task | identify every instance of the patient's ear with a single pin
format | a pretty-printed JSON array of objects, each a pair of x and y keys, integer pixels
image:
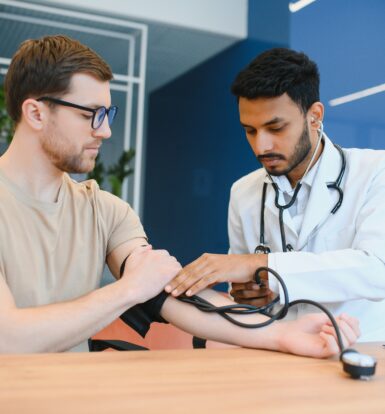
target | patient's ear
[{"x": 34, "y": 113}]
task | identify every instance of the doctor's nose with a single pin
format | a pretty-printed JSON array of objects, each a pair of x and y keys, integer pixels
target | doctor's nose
[{"x": 262, "y": 143}]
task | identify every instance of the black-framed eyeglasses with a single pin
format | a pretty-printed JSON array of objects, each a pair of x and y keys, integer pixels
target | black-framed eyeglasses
[{"x": 98, "y": 113}]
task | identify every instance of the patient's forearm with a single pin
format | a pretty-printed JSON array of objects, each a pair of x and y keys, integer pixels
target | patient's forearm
[
  {"x": 214, "y": 327},
  {"x": 310, "y": 335}
]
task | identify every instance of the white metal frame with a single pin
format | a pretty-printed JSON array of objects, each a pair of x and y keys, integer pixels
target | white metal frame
[{"x": 121, "y": 82}]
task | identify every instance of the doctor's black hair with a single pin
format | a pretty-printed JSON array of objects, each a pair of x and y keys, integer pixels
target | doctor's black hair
[{"x": 278, "y": 71}]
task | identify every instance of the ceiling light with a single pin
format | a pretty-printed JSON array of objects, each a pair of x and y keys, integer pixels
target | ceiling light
[
  {"x": 357, "y": 95},
  {"x": 298, "y": 5}
]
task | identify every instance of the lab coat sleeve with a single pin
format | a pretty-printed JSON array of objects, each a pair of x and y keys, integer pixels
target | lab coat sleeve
[
  {"x": 236, "y": 236},
  {"x": 347, "y": 274}
]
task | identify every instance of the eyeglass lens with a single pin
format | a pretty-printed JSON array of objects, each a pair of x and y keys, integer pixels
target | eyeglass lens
[
  {"x": 111, "y": 114},
  {"x": 101, "y": 113}
]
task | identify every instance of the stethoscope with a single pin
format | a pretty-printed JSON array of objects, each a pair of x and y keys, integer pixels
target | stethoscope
[{"x": 263, "y": 248}]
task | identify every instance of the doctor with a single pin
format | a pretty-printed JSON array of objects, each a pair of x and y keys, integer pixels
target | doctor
[{"x": 314, "y": 213}]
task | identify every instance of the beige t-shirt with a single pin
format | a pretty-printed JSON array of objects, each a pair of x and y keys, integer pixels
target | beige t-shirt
[{"x": 53, "y": 252}]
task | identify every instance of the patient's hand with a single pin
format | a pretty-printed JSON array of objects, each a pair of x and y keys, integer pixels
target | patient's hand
[{"x": 313, "y": 335}]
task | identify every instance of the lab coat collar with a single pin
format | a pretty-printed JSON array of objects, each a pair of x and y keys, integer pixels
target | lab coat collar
[{"x": 321, "y": 198}]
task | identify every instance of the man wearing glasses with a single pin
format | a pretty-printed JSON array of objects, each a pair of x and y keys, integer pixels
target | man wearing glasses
[{"x": 56, "y": 234}]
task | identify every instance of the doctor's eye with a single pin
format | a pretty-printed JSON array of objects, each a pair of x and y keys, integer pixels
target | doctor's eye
[
  {"x": 249, "y": 131},
  {"x": 278, "y": 129}
]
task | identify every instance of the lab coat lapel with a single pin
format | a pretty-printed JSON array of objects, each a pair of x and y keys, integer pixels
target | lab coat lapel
[{"x": 321, "y": 199}]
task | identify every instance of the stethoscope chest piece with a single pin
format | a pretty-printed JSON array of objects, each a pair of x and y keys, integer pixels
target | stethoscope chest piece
[
  {"x": 262, "y": 249},
  {"x": 358, "y": 366}
]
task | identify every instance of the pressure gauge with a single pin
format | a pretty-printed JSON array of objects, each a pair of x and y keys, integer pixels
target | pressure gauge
[{"x": 358, "y": 366}]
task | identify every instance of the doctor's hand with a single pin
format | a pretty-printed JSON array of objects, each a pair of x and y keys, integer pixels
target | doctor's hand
[
  {"x": 210, "y": 269},
  {"x": 251, "y": 293}
]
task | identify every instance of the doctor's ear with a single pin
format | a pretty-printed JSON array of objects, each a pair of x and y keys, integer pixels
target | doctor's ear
[
  {"x": 315, "y": 115},
  {"x": 34, "y": 113}
]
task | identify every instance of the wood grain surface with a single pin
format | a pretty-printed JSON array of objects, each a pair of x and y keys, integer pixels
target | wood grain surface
[{"x": 187, "y": 381}]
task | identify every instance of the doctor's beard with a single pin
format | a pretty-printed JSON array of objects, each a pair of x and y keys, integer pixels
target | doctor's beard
[{"x": 301, "y": 152}]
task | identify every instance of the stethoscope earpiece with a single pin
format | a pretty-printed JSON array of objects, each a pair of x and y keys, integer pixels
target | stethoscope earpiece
[{"x": 320, "y": 124}]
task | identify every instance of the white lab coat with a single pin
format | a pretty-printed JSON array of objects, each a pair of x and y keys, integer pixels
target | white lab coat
[{"x": 339, "y": 260}]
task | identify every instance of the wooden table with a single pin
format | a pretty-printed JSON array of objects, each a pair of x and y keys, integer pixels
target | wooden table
[{"x": 186, "y": 381}]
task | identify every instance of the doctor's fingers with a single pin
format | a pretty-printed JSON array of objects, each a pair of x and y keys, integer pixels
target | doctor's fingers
[
  {"x": 248, "y": 290},
  {"x": 257, "y": 302},
  {"x": 244, "y": 286},
  {"x": 249, "y": 293},
  {"x": 195, "y": 287},
  {"x": 186, "y": 278}
]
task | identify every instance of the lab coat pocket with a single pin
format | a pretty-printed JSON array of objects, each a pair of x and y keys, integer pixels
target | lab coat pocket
[{"x": 341, "y": 238}]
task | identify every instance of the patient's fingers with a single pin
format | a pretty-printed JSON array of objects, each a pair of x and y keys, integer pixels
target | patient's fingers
[
  {"x": 353, "y": 323},
  {"x": 331, "y": 346},
  {"x": 348, "y": 335},
  {"x": 349, "y": 324}
]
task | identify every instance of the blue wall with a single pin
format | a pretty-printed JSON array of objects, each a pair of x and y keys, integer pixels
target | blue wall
[
  {"x": 347, "y": 40},
  {"x": 196, "y": 148}
]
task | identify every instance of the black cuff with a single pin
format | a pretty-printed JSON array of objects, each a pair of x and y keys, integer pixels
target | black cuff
[{"x": 140, "y": 316}]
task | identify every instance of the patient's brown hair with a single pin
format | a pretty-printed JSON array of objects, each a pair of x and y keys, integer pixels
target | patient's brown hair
[{"x": 44, "y": 66}]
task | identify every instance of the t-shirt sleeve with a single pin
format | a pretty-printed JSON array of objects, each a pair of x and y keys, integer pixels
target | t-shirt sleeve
[{"x": 120, "y": 222}]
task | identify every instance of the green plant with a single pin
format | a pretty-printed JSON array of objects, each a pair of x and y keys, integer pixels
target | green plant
[
  {"x": 115, "y": 174},
  {"x": 6, "y": 124}
]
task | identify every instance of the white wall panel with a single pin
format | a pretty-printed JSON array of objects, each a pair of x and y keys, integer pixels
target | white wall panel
[{"x": 228, "y": 17}]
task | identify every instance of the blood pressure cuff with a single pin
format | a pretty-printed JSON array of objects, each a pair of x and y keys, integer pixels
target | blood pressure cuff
[{"x": 140, "y": 316}]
